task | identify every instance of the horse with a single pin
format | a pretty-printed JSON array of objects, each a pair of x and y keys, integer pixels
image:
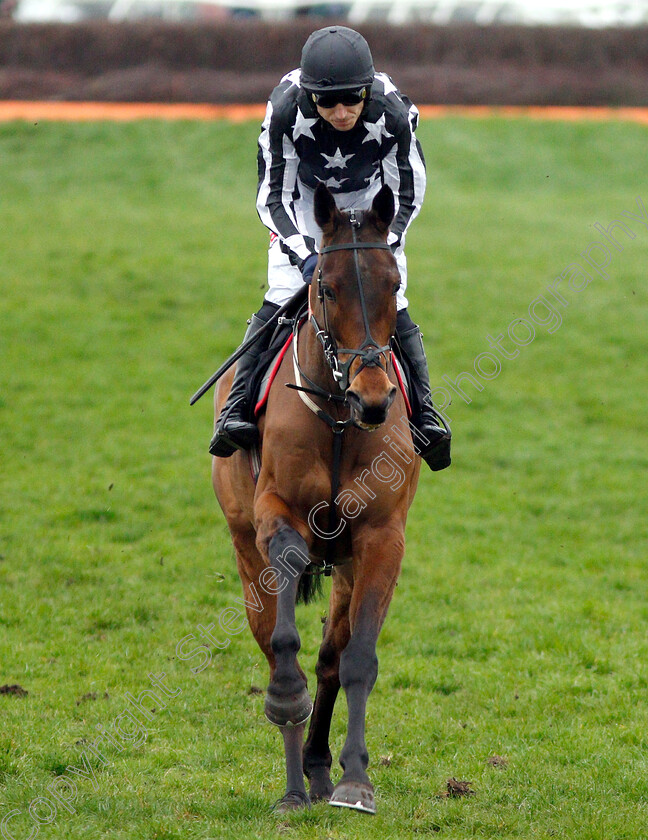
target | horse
[{"x": 332, "y": 493}]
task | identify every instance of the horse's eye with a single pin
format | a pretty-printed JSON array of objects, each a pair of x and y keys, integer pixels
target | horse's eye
[
  {"x": 328, "y": 293},
  {"x": 396, "y": 288}
]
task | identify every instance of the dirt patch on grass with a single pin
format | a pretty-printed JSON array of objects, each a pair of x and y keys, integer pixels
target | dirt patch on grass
[
  {"x": 497, "y": 761},
  {"x": 456, "y": 788},
  {"x": 16, "y": 690},
  {"x": 90, "y": 696}
]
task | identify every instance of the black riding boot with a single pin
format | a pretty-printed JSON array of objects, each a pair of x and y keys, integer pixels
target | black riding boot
[
  {"x": 428, "y": 422},
  {"x": 233, "y": 429}
]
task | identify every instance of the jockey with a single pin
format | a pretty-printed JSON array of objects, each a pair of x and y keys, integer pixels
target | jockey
[{"x": 334, "y": 120}]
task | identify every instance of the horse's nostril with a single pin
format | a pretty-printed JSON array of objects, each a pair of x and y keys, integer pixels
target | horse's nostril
[
  {"x": 371, "y": 412},
  {"x": 353, "y": 398}
]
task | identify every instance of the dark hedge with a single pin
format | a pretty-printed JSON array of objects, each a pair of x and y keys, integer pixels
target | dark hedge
[{"x": 240, "y": 61}]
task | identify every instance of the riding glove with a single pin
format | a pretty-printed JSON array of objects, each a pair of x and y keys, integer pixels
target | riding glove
[{"x": 308, "y": 267}]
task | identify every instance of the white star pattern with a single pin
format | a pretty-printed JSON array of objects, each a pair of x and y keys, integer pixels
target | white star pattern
[
  {"x": 336, "y": 161},
  {"x": 292, "y": 77},
  {"x": 390, "y": 87},
  {"x": 302, "y": 126},
  {"x": 333, "y": 182},
  {"x": 377, "y": 130}
]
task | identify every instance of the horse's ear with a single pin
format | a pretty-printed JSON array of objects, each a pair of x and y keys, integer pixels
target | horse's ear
[
  {"x": 326, "y": 211},
  {"x": 383, "y": 208}
]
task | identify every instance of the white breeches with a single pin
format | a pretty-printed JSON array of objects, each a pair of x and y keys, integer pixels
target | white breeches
[{"x": 284, "y": 279}]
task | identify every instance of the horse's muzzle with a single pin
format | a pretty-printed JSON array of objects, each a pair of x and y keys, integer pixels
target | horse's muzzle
[{"x": 370, "y": 411}]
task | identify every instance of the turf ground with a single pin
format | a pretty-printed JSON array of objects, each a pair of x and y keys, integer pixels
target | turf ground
[{"x": 131, "y": 256}]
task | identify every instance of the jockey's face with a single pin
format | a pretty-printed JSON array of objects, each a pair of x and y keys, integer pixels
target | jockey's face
[{"x": 341, "y": 117}]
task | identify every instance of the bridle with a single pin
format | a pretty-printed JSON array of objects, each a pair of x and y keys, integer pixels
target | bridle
[{"x": 370, "y": 354}]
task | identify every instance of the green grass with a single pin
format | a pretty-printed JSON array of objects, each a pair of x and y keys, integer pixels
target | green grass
[{"x": 131, "y": 256}]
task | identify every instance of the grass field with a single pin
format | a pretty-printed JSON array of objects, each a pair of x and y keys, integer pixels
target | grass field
[{"x": 131, "y": 256}]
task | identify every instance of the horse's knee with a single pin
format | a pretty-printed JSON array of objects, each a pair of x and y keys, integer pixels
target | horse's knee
[
  {"x": 276, "y": 524},
  {"x": 288, "y": 552},
  {"x": 358, "y": 664},
  {"x": 328, "y": 662}
]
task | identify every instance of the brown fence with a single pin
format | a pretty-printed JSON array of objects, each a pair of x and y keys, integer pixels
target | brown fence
[{"x": 240, "y": 61}]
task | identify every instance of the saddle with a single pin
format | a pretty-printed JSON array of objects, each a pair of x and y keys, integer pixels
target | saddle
[
  {"x": 269, "y": 360},
  {"x": 262, "y": 392}
]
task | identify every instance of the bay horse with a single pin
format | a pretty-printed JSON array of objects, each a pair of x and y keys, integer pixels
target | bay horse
[{"x": 329, "y": 494}]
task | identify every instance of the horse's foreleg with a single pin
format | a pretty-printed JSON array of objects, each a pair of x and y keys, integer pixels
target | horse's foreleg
[
  {"x": 287, "y": 704},
  {"x": 375, "y": 575},
  {"x": 260, "y": 589},
  {"x": 317, "y": 754},
  {"x": 287, "y": 701},
  {"x": 295, "y": 795}
]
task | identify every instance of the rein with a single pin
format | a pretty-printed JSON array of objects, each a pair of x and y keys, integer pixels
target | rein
[
  {"x": 370, "y": 354},
  {"x": 338, "y": 428}
]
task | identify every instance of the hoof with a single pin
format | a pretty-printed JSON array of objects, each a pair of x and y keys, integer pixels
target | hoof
[
  {"x": 288, "y": 711},
  {"x": 321, "y": 791},
  {"x": 356, "y": 795},
  {"x": 291, "y": 801}
]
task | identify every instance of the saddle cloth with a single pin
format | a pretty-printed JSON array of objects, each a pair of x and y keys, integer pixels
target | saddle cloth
[{"x": 263, "y": 391}]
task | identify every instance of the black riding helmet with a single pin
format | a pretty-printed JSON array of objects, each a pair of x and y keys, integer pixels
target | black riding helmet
[{"x": 336, "y": 58}]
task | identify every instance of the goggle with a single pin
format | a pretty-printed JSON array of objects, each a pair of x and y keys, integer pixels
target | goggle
[{"x": 341, "y": 97}]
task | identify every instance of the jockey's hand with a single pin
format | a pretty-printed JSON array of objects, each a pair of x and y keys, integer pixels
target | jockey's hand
[{"x": 308, "y": 267}]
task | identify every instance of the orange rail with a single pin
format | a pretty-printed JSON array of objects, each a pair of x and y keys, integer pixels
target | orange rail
[{"x": 127, "y": 111}]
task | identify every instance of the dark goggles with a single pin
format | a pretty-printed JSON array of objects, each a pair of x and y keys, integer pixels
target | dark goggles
[{"x": 342, "y": 97}]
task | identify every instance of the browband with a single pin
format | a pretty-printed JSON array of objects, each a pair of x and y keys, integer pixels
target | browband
[{"x": 353, "y": 246}]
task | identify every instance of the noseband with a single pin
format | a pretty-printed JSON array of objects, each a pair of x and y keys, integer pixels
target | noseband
[{"x": 369, "y": 352}]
